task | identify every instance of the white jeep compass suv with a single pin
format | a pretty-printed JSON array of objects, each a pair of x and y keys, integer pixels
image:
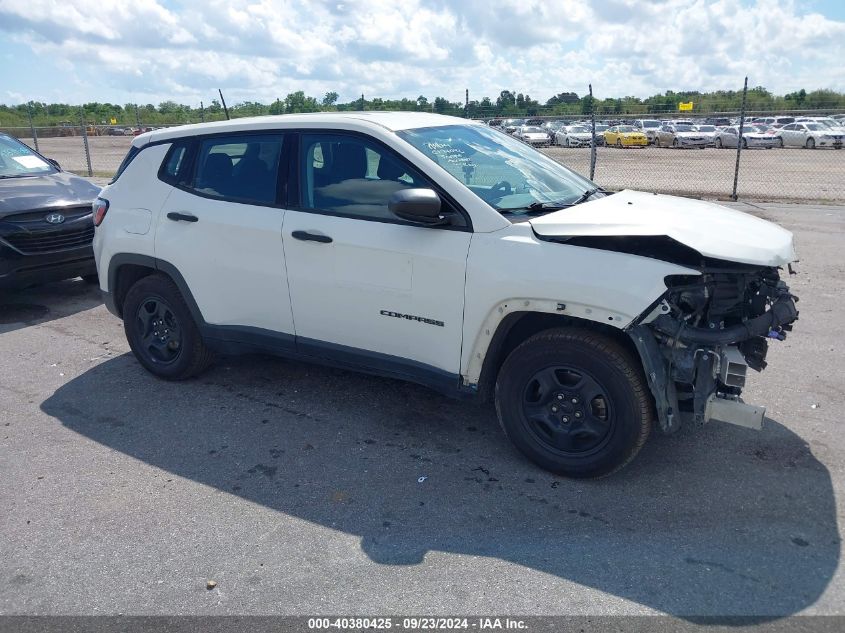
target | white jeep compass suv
[{"x": 444, "y": 252}]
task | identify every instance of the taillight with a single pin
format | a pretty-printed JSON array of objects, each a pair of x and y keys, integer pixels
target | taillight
[{"x": 100, "y": 206}]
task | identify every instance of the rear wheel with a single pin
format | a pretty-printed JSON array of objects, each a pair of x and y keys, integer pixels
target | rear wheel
[
  {"x": 574, "y": 402},
  {"x": 675, "y": 143},
  {"x": 161, "y": 331}
]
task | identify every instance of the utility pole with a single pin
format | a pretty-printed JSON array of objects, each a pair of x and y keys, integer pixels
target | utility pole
[
  {"x": 592, "y": 134},
  {"x": 202, "y": 112},
  {"x": 362, "y": 101},
  {"x": 31, "y": 126}
]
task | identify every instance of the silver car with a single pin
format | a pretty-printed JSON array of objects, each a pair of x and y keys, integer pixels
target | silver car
[
  {"x": 648, "y": 127},
  {"x": 752, "y": 136},
  {"x": 573, "y": 136},
  {"x": 533, "y": 135},
  {"x": 680, "y": 136},
  {"x": 809, "y": 135}
]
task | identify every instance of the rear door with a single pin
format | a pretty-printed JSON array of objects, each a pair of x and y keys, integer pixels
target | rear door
[
  {"x": 367, "y": 287},
  {"x": 221, "y": 227}
]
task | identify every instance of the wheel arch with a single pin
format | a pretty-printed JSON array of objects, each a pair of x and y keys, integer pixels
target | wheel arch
[
  {"x": 126, "y": 269},
  {"x": 517, "y": 327}
]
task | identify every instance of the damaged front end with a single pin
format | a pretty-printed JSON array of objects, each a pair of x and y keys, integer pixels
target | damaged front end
[{"x": 698, "y": 341}]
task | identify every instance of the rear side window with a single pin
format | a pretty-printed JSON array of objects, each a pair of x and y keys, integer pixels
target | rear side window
[
  {"x": 174, "y": 168},
  {"x": 130, "y": 156},
  {"x": 241, "y": 168}
]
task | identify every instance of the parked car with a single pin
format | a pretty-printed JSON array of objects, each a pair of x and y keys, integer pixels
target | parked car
[
  {"x": 116, "y": 131},
  {"x": 809, "y": 135},
  {"x": 752, "y": 136},
  {"x": 708, "y": 131},
  {"x": 648, "y": 127},
  {"x": 551, "y": 128},
  {"x": 680, "y": 136},
  {"x": 574, "y": 136},
  {"x": 718, "y": 121},
  {"x": 601, "y": 128},
  {"x": 511, "y": 125},
  {"x": 46, "y": 224},
  {"x": 379, "y": 256},
  {"x": 625, "y": 136},
  {"x": 533, "y": 135}
]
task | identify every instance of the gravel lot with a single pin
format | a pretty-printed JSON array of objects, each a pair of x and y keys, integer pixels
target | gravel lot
[
  {"x": 777, "y": 174},
  {"x": 296, "y": 488}
]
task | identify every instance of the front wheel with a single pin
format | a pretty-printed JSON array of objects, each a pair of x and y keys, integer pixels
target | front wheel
[
  {"x": 574, "y": 402},
  {"x": 161, "y": 331},
  {"x": 811, "y": 143},
  {"x": 718, "y": 143}
]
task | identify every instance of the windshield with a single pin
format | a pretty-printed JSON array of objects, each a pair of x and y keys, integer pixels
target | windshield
[
  {"x": 601, "y": 128},
  {"x": 504, "y": 172},
  {"x": 533, "y": 130},
  {"x": 706, "y": 128},
  {"x": 578, "y": 130},
  {"x": 651, "y": 124},
  {"x": 16, "y": 159},
  {"x": 625, "y": 128},
  {"x": 684, "y": 128}
]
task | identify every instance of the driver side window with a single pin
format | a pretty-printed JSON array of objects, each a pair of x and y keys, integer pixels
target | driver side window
[{"x": 352, "y": 176}]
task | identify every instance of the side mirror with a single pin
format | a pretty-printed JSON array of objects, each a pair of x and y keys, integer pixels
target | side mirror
[
  {"x": 421, "y": 206},
  {"x": 54, "y": 163}
]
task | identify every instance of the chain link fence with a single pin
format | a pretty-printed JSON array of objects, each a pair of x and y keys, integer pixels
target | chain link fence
[{"x": 777, "y": 174}]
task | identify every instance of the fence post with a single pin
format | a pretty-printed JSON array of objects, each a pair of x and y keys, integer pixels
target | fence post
[
  {"x": 739, "y": 137},
  {"x": 85, "y": 141},
  {"x": 592, "y": 135},
  {"x": 137, "y": 117},
  {"x": 31, "y": 126},
  {"x": 202, "y": 112}
]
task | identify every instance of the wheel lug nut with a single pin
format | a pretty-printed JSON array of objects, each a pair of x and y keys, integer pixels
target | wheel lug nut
[
  {"x": 577, "y": 414},
  {"x": 554, "y": 409},
  {"x": 574, "y": 400},
  {"x": 560, "y": 396},
  {"x": 565, "y": 419}
]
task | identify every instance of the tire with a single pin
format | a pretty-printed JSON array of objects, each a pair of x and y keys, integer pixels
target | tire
[
  {"x": 567, "y": 143},
  {"x": 719, "y": 144},
  {"x": 810, "y": 144},
  {"x": 574, "y": 364},
  {"x": 93, "y": 279},
  {"x": 780, "y": 143},
  {"x": 744, "y": 143},
  {"x": 180, "y": 351},
  {"x": 657, "y": 141},
  {"x": 619, "y": 143},
  {"x": 675, "y": 143}
]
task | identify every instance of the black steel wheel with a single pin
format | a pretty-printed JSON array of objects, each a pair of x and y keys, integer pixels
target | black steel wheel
[
  {"x": 161, "y": 330},
  {"x": 567, "y": 410},
  {"x": 575, "y": 402}
]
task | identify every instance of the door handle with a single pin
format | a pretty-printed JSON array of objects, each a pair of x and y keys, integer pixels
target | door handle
[
  {"x": 305, "y": 236},
  {"x": 182, "y": 217}
]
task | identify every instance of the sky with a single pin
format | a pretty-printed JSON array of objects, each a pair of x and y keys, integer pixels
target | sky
[{"x": 149, "y": 51}]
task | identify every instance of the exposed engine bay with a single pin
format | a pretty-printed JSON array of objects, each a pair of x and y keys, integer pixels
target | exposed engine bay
[{"x": 703, "y": 334}]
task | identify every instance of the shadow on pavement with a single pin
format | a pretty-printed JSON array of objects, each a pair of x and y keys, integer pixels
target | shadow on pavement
[
  {"x": 40, "y": 304},
  {"x": 714, "y": 521}
]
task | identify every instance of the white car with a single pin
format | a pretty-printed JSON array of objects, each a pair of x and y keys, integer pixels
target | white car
[
  {"x": 708, "y": 132},
  {"x": 752, "y": 136},
  {"x": 438, "y": 250},
  {"x": 533, "y": 135},
  {"x": 573, "y": 136},
  {"x": 809, "y": 135}
]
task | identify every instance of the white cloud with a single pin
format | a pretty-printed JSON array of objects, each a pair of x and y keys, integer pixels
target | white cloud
[{"x": 263, "y": 49}]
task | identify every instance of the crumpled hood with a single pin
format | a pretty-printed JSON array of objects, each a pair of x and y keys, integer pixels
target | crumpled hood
[
  {"x": 31, "y": 193},
  {"x": 711, "y": 229}
]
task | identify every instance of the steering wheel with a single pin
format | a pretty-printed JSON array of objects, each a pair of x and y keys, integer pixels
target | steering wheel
[{"x": 501, "y": 189}]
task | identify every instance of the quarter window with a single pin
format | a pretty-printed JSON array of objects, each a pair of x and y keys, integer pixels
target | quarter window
[
  {"x": 241, "y": 168},
  {"x": 352, "y": 176}
]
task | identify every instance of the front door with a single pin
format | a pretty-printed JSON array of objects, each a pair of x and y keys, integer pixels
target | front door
[{"x": 365, "y": 286}]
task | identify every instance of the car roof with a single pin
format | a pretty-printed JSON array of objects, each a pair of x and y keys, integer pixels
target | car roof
[{"x": 392, "y": 121}]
